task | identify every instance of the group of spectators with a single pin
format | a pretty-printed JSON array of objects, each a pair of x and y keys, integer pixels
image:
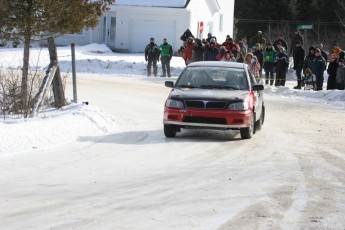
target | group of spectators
[
  {"x": 153, "y": 53},
  {"x": 261, "y": 57}
]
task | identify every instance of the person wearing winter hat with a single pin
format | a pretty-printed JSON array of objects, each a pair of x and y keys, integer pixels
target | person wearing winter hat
[
  {"x": 269, "y": 55},
  {"x": 318, "y": 67},
  {"x": 340, "y": 78},
  {"x": 152, "y": 57},
  {"x": 260, "y": 55},
  {"x": 298, "y": 61},
  {"x": 198, "y": 51},
  {"x": 296, "y": 37},
  {"x": 258, "y": 38},
  {"x": 336, "y": 49},
  {"x": 280, "y": 41},
  {"x": 282, "y": 64},
  {"x": 189, "y": 50},
  {"x": 309, "y": 58},
  {"x": 212, "y": 51}
]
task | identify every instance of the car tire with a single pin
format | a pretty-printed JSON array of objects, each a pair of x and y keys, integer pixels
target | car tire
[
  {"x": 247, "y": 133},
  {"x": 260, "y": 122},
  {"x": 170, "y": 130}
]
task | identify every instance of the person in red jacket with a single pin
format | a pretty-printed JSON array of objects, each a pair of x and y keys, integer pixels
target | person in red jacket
[{"x": 189, "y": 50}]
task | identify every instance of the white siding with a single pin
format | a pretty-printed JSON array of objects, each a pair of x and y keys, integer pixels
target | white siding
[
  {"x": 127, "y": 15},
  {"x": 227, "y": 9},
  {"x": 200, "y": 12},
  {"x": 170, "y": 23}
]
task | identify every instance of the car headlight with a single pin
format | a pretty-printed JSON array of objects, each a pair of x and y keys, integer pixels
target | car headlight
[
  {"x": 174, "y": 104},
  {"x": 244, "y": 105}
]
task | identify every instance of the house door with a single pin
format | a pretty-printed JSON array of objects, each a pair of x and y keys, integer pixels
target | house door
[{"x": 109, "y": 30}]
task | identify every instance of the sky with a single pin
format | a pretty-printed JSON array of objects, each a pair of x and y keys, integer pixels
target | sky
[{"x": 19, "y": 135}]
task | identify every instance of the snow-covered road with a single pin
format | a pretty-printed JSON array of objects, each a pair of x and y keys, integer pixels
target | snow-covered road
[{"x": 290, "y": 175}]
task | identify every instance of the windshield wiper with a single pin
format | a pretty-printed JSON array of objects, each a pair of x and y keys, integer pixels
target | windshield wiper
[
  {"x": 186, "y": 86},
  {"x": 219, "y": 87}
]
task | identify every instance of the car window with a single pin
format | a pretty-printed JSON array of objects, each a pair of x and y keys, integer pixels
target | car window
[
  {"x": 215, "y": 78},
  {"x": 252, "y": 78}
]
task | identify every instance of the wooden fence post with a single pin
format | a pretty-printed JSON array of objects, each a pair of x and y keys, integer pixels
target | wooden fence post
[{"x": 59, "y": 94}]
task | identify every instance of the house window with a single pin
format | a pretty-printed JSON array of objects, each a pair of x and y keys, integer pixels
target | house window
[
  {"x": 221, "y": 22},
  {"x": 81, "y": 32}
]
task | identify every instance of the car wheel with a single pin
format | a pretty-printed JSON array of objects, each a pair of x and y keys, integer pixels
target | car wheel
[
  {"x": 247, "y": 133},
  {"x": 260, "y": 122},
  {"x": 170, "y": 130}
]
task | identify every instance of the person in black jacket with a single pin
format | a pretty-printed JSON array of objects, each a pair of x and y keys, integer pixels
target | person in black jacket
[
  {"x": 281, "y": 41},
  {"x": 198, "y": 51},
  {"x": 298, "y": 60},
  {"x": 332, "y": 72},
  {"x": 282, "y": 64},
  {"x": 309, "y": 58},
  {"x": 318, "y": 67},
  {"x": 211, "y": 52},
  {"x": 260, "y": 55},
  {"x": 152, "y": 57},
  {"x": 296, "y": 37}
]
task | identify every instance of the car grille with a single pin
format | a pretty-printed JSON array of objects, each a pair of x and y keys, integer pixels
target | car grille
[
  {"x": 205, "y": 104},
  {"x": 205, "y": 120}
]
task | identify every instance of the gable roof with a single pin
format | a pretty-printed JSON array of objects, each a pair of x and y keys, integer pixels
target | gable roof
[{"x": 154, "y": 3}]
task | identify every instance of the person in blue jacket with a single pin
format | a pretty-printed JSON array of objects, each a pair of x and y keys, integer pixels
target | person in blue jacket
[{"x": 318, "y": 66}]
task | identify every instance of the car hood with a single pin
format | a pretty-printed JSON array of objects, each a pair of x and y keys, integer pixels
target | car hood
[{"x": 208, "y": 94}]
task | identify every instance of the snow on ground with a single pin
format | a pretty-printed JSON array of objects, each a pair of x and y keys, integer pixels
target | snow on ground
[{"x": 56, "y": 127}]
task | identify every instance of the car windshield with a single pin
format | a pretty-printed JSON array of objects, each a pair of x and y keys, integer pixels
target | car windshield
[{"x": 213, "y": 78}]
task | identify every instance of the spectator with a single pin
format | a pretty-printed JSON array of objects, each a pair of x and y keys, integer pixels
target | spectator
[
  {"x": 239, "y": 57},
  {"x": 332, "y": 72},
  {"x": 336, "y": 49},
  {"x": 318, "y": 67},
  {"x": 209, "y": 36},
  {"x": 166, "y": 53},
  {"x": 222, "y": 53},
  {"x": 253, "y": 65},
  {"x": 296, "y": 37},
  {"x": 182, "y": 52},
  {"x": 298, "y": 60},
  {"x": 309, "y": 58},
  {"x": 258, "y": 38},
  {"x": 152, "y": 57},
  {"x": 198, "y": 51},
  {"x": 260, "y": 55},
  {"x": 282, "y": 64},
  {"x": 243, "y": 47},
  {"x": 189, "y": 50},
  {"x": 269, "y": 58},
  {"x": 323, "y": 53},
  {"x": 212, "y": 51},
  {"x": 340, "y": 78},
  {"x": 281, "y": 41}
]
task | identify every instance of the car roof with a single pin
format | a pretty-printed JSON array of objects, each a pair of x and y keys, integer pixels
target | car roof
[{"x": 236, "y": 65}]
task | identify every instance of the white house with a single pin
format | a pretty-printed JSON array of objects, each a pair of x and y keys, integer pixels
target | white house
[{"x": 129, "y": 24}]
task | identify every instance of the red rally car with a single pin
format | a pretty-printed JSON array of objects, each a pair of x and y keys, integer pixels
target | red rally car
[{"x": 215, "y": 95}]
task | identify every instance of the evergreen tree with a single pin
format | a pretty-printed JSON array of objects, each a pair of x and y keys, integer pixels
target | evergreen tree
[{"x": 22, "y": 20}]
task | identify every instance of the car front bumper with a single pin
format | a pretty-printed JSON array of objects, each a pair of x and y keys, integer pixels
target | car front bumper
[{"x": 211, "y": 119}]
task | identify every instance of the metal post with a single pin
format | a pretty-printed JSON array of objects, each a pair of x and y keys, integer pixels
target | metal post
[{"x": 74, "y": 76}]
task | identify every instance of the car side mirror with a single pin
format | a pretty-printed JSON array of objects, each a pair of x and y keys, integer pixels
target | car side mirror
[
  {"x": 258, "y": 87},
  {"x": 169, "y": 84}
]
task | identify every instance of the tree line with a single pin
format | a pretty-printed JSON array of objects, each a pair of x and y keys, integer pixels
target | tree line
[{"x": 284, "y": 16}]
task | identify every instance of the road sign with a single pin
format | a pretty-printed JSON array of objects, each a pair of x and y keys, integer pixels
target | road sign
[{"x": 305, "y": 27}]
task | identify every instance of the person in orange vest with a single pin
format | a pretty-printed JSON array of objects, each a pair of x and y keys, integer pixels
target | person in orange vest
[{"x": 336, "y": 49}]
